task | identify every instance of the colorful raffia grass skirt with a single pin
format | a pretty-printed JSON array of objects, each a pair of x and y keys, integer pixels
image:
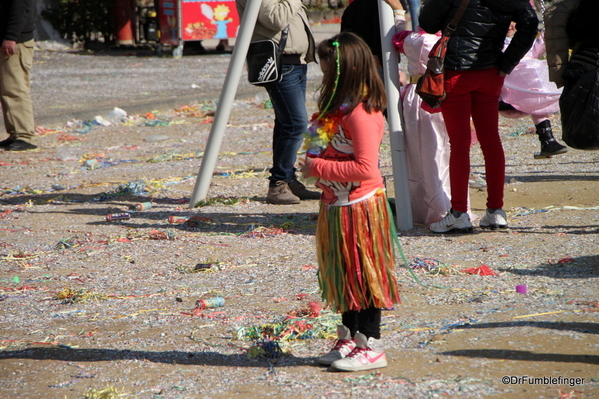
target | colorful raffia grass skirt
[{"x": 356, "y": 255}]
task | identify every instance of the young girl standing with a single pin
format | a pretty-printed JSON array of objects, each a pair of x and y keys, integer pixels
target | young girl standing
[{"x": 355, "y": 234}]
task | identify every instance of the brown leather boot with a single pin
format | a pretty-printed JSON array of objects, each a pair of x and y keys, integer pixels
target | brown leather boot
[
  {"x": 298, "y": 189},
  {"x": 281, "y": 194}
]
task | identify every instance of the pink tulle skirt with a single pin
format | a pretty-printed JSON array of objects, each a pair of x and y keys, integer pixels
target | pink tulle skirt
[{"x": 529, "y": 90}]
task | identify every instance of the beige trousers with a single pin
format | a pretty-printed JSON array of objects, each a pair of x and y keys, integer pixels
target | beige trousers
[{"x": 15, "y": 83}]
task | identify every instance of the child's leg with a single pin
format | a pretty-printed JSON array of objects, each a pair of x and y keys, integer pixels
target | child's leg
[
  {"x": 350, "y": 320},
  {"x": 368, "y": 353},
  {"x": 536, "y": 119},
  {"x": 344, "y": 344},
  {"x": 369, "y": 323},
  {"x": 549, "y": 145}
]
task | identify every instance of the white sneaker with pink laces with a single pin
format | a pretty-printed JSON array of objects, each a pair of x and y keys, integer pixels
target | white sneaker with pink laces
[
  {"x": 367, "y": 355},
  {"x": 343, "y": 347}
]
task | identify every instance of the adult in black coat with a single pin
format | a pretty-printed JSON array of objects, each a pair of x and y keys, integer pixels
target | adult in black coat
[
  {"x": 579, "y": 102},
  {"x": 362, "y": 18}
]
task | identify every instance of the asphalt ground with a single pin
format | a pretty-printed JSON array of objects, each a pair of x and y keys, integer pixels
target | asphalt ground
[
  {"x": 70, "y": 84},
  {"x": 456, "y": 334}
]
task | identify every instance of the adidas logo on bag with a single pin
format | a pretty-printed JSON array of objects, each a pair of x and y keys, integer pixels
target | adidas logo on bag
[{"x": 267, "y": 70}]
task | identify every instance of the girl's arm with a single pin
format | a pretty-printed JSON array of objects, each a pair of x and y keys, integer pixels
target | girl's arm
[
  {"x": 399, "y": 15},
  {"x": 367, "y": 133},
  {"x": 538, "y": 48},
  {"x": 526, "y": 33}
]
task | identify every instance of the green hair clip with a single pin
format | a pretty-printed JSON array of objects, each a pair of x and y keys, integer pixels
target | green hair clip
[{"x": 335, "y": 44}]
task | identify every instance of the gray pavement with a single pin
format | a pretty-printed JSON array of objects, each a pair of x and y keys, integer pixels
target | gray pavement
[{"x": 79, "y": 85}]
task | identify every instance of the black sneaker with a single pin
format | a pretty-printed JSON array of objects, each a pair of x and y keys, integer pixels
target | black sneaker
[
  {"x": 20, "y": 145},
  {"x": 6, "y": 142},
  {"x": 300, "y": 191}
]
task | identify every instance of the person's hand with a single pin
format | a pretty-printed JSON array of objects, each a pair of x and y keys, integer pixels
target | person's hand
[
  {"x": 502, "y": 74},
  {"x": 395, "y": 4},
  {"x": 304, "y": 167},
  {"x": 403, "y": 79},
  {"x": 512, "y": 29},
  {"x": 8, "y": 47}
]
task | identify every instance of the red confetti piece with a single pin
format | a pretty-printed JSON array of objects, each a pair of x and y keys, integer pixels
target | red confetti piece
[
  {"x": 5, "y": 213},
  {"x": 483, "y": 270},
  {"x": 68, "y": 137},
  {"x": 158, "y": 235},
  {"x": 567, "y": 259}
]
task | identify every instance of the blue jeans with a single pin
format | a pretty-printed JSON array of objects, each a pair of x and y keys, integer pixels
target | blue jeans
[
  {"x": 414, "y": 6},
  {"x": 288, "y": 99}
]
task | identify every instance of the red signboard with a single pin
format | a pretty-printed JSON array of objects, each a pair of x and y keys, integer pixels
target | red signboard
[
  {"x": 168, "y": 19},
  {"x": 208, "y": 19}
]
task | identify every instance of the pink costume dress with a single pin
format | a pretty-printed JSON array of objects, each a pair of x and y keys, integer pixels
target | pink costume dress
[
  {"x": 427, "y": 143},
  {"x": 527, "y": 88}
]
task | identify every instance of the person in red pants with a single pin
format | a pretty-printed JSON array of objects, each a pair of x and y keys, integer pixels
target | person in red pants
[{"x": 475, "y": 67}]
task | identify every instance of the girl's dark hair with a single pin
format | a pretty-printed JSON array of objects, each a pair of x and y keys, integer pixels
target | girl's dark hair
[{"x": 358, "y": 80}]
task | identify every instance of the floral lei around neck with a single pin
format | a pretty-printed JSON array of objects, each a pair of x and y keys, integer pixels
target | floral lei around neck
[{"x": 321, "y": 132}]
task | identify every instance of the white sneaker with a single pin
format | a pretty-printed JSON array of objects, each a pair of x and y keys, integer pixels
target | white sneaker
[
  {"x": 367, "y": 355},
  {"x": 343, "y": 347},
  {"x": 449, "y": 223},
  {"x": 494, "y": 219}
]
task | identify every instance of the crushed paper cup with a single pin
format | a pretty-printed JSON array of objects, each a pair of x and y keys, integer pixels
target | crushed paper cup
[{"x": 521, "y": 289}]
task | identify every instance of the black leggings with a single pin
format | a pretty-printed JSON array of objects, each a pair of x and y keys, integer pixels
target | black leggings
[{"x": 366, "y": 321}]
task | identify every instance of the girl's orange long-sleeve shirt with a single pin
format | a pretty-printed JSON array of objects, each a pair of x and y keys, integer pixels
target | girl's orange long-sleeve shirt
[{"x": 349, "y": 170}]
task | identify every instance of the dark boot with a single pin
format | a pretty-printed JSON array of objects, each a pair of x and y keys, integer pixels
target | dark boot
[
  {"x": 6, "y": 142},
  {"x": 549, "y": 145},
  {"x": 299, "y": 190}
]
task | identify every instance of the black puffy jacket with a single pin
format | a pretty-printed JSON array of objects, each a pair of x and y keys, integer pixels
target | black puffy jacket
[{"x": 479, "y": 38}]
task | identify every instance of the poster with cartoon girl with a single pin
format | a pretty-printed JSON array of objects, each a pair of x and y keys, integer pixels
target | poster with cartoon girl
[{"x": 209, "y": 19}]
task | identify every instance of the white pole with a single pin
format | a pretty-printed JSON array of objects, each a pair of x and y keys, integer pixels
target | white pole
[
  {"x": 227, "y": 95},
  {"x": 394, "y": 111}
]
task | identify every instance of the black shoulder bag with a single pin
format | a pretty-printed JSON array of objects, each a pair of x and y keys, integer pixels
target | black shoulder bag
[{"x": 264, "y": 60}]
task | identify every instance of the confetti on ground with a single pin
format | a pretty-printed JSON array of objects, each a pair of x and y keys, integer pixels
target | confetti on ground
[
  {"x": 262, "y": 232},
  {"x": 483, "y": 270},
  {"x": 69, "y": 296},
  {"x": 292, "y": 328},
  {"x": 219, "y": 200},
  {"x": 133, "y": 285},
  {"x": 105, "y": 393}
]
